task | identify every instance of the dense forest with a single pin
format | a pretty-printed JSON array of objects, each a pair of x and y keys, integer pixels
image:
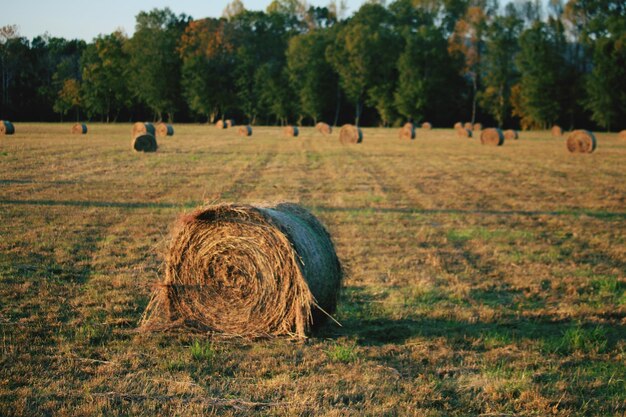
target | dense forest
[{"x": 516, "y": 65}]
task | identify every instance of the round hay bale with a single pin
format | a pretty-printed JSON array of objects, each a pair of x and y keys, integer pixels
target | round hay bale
[
  {"x": 79, "y": 129},
  {"x": 145, "y": 143},
  {"x": 324, "y": 128},
  {"x": 458, "y": 125},
  {"x": 477, "y": 126},
  {"x": 622, "y": 134},
  {"x": 6, "y": 128},
  {"x": 230, "y": 123},
  {"x": 511, "y": 134},
  {"x": 464, "y": 133},
  {"x": 142, "y": 128},
  {"x": 221, "y": 124},
  {"x": 245, "y": 131},
  {"x": 427, "y": 126},
  {"x": 291, "y": 131},
  {"x": 350, "y": 134},
  {"x": 249, "y": 271},
  {"x": 164, "y": 129},
  {"x": 407, "y": 131},
  {"x": 581, "y": 141},
  {"x": 557, "y": 131},
  {"x": 492, "y": 136},
  {"x": 468, "y": 125}
]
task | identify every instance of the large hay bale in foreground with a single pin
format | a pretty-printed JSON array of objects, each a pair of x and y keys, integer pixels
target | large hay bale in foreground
[
  {"x": 427, "y": 126},
  {"x": 324, "y": 128},
  {"x": 407, "y": 131},
  {"x": 464, "y": 133},
  {"x": 164, "y": 129},
  {"x": 492, "y": 136},
  {"x": 468, "y": 125},
  {"x": 245, "y": 131},
  {"x": 6, "y": 128},
  {"x": 581, "y": 141},
  {"x": 247, "y": 271},
  {"x": 557, "y": 131},
  {"x": 79, "y": 129},
  {"x": 458, "y": 125},
  {"x": 142, "y": 128},
  {"x": 145, "y": 143},
  {"x": 291, "y": 131},
  {"x": 511, "y": 134},
  {"x": 477, "y": 126},
  {"x": 350, "y": 134}
]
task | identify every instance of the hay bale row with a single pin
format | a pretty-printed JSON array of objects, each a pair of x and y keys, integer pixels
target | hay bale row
[
  {"x": 468, "y": 126},
  {"x": 477, "y": 126},
  {"x": 350, "y": 134},
  {"x": 557, "y": 131},
  {"x": 511, "y": 134},
  {"x": 142, "y": 128},
  {"x": 6, "y": 128},
  {"x": 247, "y": 271},
  {"x": 291, "y": 131},
  {"x": 407, "y": 131},
  {"x": 581, "y": 141},
  {"x": 164, "y": 129},
  {"x": 225, "y": 123},
  {"x": 492, "y": 136},
  {"x": 79, "y": 129},
  {"x": 464, "y": 132},
  {"x": 458, "y": 125},
  {"x": 245, "y": 131},
  {"x": 144, "y": 142},
  {"x": 427, "y": 126},
  {"x": 324, "y": 128}
]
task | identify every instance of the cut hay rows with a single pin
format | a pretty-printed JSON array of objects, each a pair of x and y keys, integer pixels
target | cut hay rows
[
  {"x": 144, "y": 143},
  {"x": 468, "y": 126},
  {"x": 79, "y": 129},
  {"x": 247, "y": 271},
  {"x": 350, "y": 134},
  {"x": 324, "y": 128},
  {"x": 407, "y": 131},
  {"x": 244, "y": 131},
  {"x": 477, "y": 126},
  {"x": 164, "y": 129},
  {"x": 511, "y": 134},
  {"x": 458, "y": 125},
  {"x": 557, "y": 131},
  {"x": 427, "y": 126},
  {"x": 581, "y": 141},
  {"x": 492, "y": 136},
  {"x": 291, "y": 131},
  {"x": 141, "y": 128},
  {"x": 464, "y": 132},
  {"x": 6, "y": 128}
]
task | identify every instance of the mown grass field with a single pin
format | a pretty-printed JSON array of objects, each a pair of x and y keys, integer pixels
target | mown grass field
[{"x": 479, "y": 280}]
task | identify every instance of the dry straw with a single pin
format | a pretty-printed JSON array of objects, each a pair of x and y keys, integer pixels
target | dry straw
[
  {"x": 144, "y": 143},
  {"x": 164, "y": 129},
  {"x": 427, "y": 126},
  {"x": 245, "y": 270},
  {"x": 79, "y": 129},
  {"x": 458, "y": 125},
  {"x": 407, "y": 131},
  {"x": 464, "y": 132},
  {"x": 291, "y": 131},
  {"x": 324, "y": 128},
  {"x": 557, "y": 131},
  {"x": 6, "y": 128},
  {"x": 511, "y": 134},
  {"x": 141, "y": 128},
  {"x": 492, "y": 136},
  {"x": 477, "y": 126},
  {"x": 581, "y": 141},
  {"x": 350, "y": 134},
  {"x": 245, "y": 131}
]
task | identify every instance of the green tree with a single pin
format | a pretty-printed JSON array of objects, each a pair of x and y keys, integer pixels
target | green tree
[{"x": 68, "y": 98}]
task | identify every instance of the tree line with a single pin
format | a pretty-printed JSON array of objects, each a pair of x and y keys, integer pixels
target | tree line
[{"x": 442, "y": 61}]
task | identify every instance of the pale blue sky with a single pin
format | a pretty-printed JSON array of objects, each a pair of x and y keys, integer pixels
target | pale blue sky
[{"x": 87, "y": 18}]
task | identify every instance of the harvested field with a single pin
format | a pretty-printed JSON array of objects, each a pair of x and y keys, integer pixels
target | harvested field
[{"x": 477, "y": 280}]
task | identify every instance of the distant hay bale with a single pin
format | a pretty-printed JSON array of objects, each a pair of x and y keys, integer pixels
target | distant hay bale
[
  {"x": 581, "y": 141},
  {"x": 622, "y": 134},
  {"x": 221, "y": 124},
  {"x": 557, "y": 131},
  {"x": 291, "y": 131},
  {"x": 245, "y": 270},
  {"x": 144, "y": 143},
  {"x": 245, "y": 131},
  {"x": 427, "y": 126},
  {"x": 141, "y": 128},
  {"x": 324, "y": 128},
  {"x": 350, "y": 134},
  {"x": 458, "y": 125},
  {"x": 79, "y": 129},
  {"x": 492, "y": 136},
  {"x": 6, "y": 128},
  {"x": 511, "y": 134},
  {"x": 230, "y": 123},
  {"x": 464, "y": 132},
  {"x": 477, "y": 126},
  {"x": 468, "y": 126},
  {"x": 407, "y": 131},
  {"x": 164, "y": 129}
]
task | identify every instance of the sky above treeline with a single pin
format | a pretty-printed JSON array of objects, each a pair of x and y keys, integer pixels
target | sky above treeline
[{"x": 86, "y": 19}]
